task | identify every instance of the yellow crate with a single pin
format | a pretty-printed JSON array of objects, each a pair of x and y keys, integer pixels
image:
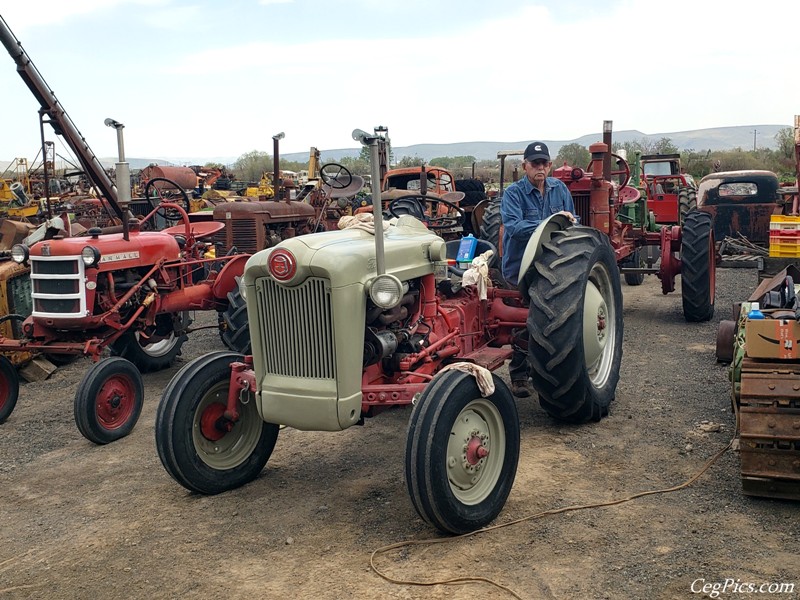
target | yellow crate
[
  {"x": 784, "y": 249},
  {"x": 784, "y": 223}
]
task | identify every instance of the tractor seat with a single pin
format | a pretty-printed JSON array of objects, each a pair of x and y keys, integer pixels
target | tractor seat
[
  {"x": 629, "y": 194},
  {"x": 350, "y": 190}
]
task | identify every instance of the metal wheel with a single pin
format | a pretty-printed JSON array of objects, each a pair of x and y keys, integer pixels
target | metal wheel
[
  {"x": 462, "y": 452},
  {"x": 160, "y": 354},
  {"x": 198, "y": 445},
  {"x": 109, "y": 400},
  {"x": 9, "y": 388}
]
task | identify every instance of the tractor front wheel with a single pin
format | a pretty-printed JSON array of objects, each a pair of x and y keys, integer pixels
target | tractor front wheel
[
  {"x": 109, "y": 400},
  {"x": 698, "y": 267},
  {"x": 233, "y": 328},
  {"x": 198, "y": 445},
  {"x": 575, "y": 325},
  {"x": 636, "y": 261},
  {"x": 462, "y": 451},
  {"x": 9, "y": 388}
]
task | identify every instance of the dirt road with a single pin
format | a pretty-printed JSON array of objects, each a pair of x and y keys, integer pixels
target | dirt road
[{"x": 85, "y": 521}]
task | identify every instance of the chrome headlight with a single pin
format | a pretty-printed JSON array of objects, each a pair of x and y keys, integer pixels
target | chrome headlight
[
  {"x": 90, "y": 256},
  {"x": 386, "y": 291},
  {"x": 19, "y": 253},
  {"x": 242, "y": 289}
]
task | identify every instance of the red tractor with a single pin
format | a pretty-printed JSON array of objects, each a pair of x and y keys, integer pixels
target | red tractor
[
  {"x": 126, "y": 289},
  {"x": 670, "y": 192}
]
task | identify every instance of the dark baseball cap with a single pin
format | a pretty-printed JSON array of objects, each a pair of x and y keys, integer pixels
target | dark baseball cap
[{"x": 537, "y": 151}]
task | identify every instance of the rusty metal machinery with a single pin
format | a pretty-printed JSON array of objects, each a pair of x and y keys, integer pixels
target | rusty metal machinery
[{"x": 769, "y": 428}]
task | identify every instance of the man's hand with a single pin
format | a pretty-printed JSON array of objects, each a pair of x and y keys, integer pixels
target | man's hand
[{"x": 569, "y": 215}]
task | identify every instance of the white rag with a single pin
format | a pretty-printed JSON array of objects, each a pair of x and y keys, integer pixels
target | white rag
[
  {"x": 478, "y": 273},
  {"x": 363, "y": 221},
  {"x": 482, "y": 375}
]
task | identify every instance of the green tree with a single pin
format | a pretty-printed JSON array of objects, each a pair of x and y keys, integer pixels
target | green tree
[
  {"x": 251, "y": 165},
  {"x": 575, "y": 155},
  {"x": 785, "y": 139},
  {"x": 410, "y": 161},
  {"x": 665, "y": 146}
]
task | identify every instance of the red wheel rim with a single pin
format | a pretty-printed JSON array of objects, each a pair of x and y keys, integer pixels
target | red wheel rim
[
  {"x": 209, "y": 419},
  {"x": 116, "y": 401}
]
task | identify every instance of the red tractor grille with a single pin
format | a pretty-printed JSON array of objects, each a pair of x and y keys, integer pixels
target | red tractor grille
[
  {"x": 241, "y": 233},
  {"x": 581, "y": 200},
  {"x": 58, "y": 286}
]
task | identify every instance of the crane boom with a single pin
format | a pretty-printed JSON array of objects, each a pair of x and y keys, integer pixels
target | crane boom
[{"x": 59, "y": 119}]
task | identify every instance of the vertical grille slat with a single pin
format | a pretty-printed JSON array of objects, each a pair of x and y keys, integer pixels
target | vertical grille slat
[{"x": 297, "y": 333}]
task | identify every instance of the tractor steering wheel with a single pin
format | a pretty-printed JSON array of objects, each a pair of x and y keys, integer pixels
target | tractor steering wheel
[
  {"x": 416, "y": 204},
  {"x": 168, "y": 193},
  {"x": 336, "y": 176},
  {"x": 625, "y": 170}
]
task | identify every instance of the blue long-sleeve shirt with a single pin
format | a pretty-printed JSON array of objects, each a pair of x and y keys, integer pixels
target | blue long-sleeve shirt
[{"x": 522, "y": 209}]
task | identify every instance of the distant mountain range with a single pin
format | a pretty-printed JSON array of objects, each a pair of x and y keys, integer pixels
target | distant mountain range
[{"x": 717, "y": 138}]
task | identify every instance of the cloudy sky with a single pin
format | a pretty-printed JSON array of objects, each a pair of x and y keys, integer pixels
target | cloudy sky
[{"x": 203, "y": 78}]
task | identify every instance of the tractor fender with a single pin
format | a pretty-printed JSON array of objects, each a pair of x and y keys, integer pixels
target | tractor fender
[
  {"x": 533, "y": 250},
  {"x": 226, "y": 280}
]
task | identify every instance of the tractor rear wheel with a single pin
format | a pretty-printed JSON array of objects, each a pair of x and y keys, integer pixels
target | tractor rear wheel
[
  {"x": 474, "y": 191},
  {"x": 491, "y": 223},
  {"x": 199, "y": 447},
  {"x": 152, "y": 356},
  {"x": 575, "y": 325},
  {"x": 698, "y": 267},
  {"x": 9, "y": 388},
  {"x": 687, "y": 201},
  {"x": 109, "y": 400},
  {"x": 462, "y": 451},
  {"x": 233, "y": 328}
]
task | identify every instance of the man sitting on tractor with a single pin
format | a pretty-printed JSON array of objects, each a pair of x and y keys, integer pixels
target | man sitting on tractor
[{"x": 525, "y": 204}]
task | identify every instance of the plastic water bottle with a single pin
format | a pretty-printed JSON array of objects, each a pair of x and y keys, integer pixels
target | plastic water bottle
[
  {"x": 755, "y": 311},
  {"x": 466, "y": 249}
]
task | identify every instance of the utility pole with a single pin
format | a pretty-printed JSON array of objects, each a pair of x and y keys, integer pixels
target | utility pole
[{"x": 755, "y": 131}]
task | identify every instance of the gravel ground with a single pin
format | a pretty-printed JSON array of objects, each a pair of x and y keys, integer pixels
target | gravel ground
[{"x": 85, "y": 521}]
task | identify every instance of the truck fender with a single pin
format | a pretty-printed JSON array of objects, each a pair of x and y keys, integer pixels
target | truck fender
[
  {"x": 226, "y": 280},
  {"x": 533, "y": 250}
]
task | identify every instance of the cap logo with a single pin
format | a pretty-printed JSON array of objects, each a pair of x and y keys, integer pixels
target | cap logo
[{"x": 538, "y": 148}]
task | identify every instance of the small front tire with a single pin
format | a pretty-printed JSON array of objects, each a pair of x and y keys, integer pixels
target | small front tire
[
  {"x": 462, "y": 452},
  {"x": 197, "y": 445},
  {"x": 109, "y": 400}
]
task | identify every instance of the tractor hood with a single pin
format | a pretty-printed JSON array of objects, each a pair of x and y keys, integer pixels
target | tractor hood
[
  {"x": 347, "y": 256},
  {"x": 143, "y": 248}
]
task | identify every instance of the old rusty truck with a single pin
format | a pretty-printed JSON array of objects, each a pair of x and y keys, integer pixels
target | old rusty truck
[{"x": 347, "y": 323}]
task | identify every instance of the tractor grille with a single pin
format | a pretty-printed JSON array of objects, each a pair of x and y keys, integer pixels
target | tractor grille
[
  {"x": 581, "y": 201},
  {"x": 58, "y": 286},
  {"x": 297, "y": 329},
  {"x": 240, "y": 233}
]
